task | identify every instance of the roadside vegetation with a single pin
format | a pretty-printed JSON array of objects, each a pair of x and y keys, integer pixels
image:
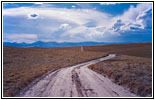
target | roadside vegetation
[
  {"x": 22, "y": 65},
  {"x": 134, "y": 73}
]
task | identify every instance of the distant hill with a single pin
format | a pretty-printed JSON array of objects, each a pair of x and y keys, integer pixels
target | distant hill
[
  {"x": 132, "y": 49},
  {"x": 54, "y": 44}
]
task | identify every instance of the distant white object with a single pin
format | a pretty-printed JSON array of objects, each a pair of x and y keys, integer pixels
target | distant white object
[
  {"x": 82, "y": 49},
  {"x": 73, "y": 6}
]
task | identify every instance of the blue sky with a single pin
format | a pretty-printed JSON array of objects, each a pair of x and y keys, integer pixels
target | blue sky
[{"x": 77, "y": 22}]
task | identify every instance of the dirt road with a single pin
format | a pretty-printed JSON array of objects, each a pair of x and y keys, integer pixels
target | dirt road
[{"x": 77, "y": 81}]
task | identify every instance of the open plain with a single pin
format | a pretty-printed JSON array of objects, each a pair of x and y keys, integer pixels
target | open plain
[{"x": 131, "y": 68}]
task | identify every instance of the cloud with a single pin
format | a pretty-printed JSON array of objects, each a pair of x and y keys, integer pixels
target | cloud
[
  {"x": 132, "y": 19},
  {"x": 39, "y": 3},
  {"x": 73, "y": 6},
  {"x": 62, "y": 28},
  {"x": 29, "y": 38},
  {"x": 82, "y": 24},
  {"x": 116, "y": 27},
  {"x": 108, "y": 3},
  {"x": 64, "y": 25},
  {"x": 78, "y": 16}
]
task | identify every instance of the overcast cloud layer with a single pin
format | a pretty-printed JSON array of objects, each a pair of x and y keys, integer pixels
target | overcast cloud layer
[{"x": 75, "y": 23}]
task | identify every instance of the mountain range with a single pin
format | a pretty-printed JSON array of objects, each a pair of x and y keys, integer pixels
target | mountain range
[{"x": 54, "y": 44}]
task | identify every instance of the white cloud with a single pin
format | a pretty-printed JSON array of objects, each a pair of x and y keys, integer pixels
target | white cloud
[
  {"x": 108, "y": 3},
  {"x": 73, "y": 6},
  {"x": 133, "y": 17},
  {"x": 78, "y": 16},
  {"x": 133, "y": 13},
  {"x": 64, "y": 25},
  {"x": 26, "y": 36},
  {"x": 39, "y": 3},
  {"x": 29, "y": 38}
]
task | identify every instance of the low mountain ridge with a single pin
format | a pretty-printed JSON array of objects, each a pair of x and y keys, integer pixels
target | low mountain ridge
[{"x": 54, "y": 44}]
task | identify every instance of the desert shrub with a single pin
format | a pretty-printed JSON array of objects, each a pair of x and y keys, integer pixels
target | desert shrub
[
  {"x": 134, "y": 73},
  {"x": 91, "y": 66}
]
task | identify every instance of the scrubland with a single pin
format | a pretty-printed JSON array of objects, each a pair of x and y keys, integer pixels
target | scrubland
[
  {"x": 22, "y": 65},
  {"x": 133, "y": 49},
  {"x": 132, "y": 68}
]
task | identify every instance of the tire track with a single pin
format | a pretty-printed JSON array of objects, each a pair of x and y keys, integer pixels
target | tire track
[{"x": 77, "y": 81}]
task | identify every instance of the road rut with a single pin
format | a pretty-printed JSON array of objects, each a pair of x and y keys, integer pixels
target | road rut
[{"x": 77, "y": 81}]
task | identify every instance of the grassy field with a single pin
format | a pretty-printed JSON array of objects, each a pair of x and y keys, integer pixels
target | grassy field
[
  {"x": 131, "y": 68},
  {"x": 134, "y": 49},
  {"x": 134, "y": 73},
  {"x": 22, "y": 65}
]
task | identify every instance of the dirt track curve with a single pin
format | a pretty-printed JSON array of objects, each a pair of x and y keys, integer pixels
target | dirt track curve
[{"x": 76, "y": 81}]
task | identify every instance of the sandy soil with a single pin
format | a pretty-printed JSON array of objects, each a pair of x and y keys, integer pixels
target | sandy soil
[{"x": 76, "y": 81}]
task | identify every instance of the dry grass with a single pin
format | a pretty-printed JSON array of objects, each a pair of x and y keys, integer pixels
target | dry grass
[
  {"x": 132, "y": 72},
  {"x": 22, "y": 65},
  {"x": 134, "y": 49}
]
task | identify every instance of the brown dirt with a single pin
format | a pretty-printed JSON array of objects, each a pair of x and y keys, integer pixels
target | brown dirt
[{"x": 22, "y": 65}]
